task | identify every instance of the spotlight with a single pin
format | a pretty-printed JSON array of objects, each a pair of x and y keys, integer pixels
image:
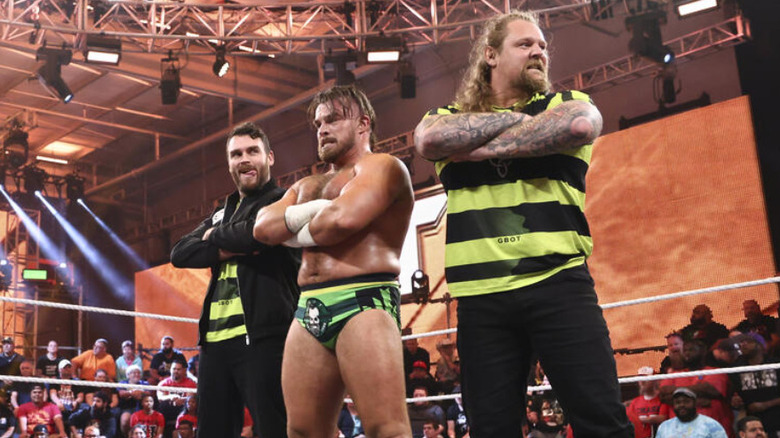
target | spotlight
[
  {"x": 340, "y": 67},
  {"x": 74, "y": 187},
  {"x": 221, "y": 66},
  {"x": 420, "y": 288},
  {"x": 62, "y": 274},
  {"x": 6, "y": 274},
  {"x": 170, "y": 81},
  {"x": 103, "y": 50},
  {"x": 382, "y": 49},
  {"x": 686, "y": 8},
  {"x": 646, "y": 40},
  {"x": 50, "y": 74},
  {"x": 407, "y": 78},
  {"x": 16, "y": 148},
  {"x": 34, "y": 179}
]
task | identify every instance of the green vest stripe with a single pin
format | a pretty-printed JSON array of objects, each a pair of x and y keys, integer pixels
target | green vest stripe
[
  {"x": 515, "y": 247},
  {"x": 510, "y": 282},
  {"x": 512, "y": 194}
]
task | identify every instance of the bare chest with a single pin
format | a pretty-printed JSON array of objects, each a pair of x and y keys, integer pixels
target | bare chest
[{"x": 327, "y": 186}]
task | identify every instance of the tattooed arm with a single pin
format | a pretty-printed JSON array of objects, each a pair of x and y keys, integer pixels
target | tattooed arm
[
  {"x": 571, "y": 124},
  {"x": 442, "y": 135}
]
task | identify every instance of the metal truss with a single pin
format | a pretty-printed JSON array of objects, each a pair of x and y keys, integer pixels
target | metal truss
[
  {"x": 316, "y": 27},
  {"x": 729, "y": 33}
]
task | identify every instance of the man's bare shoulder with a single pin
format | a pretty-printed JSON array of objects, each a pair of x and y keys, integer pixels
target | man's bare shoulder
[{"x": 380, "y": 162}]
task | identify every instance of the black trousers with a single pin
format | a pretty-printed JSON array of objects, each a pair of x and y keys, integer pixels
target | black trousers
[
  {"x": 561, "y": 321},
  {"x": 233, "y": 374}
]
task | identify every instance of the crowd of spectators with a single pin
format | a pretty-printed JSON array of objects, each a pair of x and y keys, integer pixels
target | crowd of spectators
[
  {"x": 79, "y": 410},
  {"x": 70, "y": 410},
  {"x": 701, "y": 345}
]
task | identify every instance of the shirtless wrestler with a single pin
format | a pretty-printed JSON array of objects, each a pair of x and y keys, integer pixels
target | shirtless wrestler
[{"x": 351, "y": 222}]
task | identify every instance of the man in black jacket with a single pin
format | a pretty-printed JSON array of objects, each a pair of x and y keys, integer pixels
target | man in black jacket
[{"x": 250, "y": 301}]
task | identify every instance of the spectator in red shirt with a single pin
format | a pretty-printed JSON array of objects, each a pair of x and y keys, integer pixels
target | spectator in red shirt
[
  {"x": 39, "y": 412},
  {"x": 151, "y": 421},
  {"x": 646, "y": 412}
]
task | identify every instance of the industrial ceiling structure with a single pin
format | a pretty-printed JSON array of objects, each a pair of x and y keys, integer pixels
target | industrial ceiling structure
[{"x": 117, "y": 134}]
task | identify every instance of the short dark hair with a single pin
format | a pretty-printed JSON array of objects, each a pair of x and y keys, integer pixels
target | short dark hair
[
  {"x": 180, "y": 362},
  {"x": 102, "y": 395},
  {"x": 187, "y": 422},
  {"x": 432, "y": 421},
  {"x": 345, "y": 95},
  {"x": 742, "y": 423},
  {"x": 254, "y": 132}
]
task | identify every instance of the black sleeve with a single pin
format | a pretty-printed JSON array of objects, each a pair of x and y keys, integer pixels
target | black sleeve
[
  {"x": 191, "y": 251},
  {"x": 238, "y": 236},
  {"x": 80, "y": 418}
]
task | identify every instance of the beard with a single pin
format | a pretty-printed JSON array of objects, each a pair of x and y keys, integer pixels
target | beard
[
  {"x": 335, "y": 148},
  {"x": 533, "y": 83},
  {"x": 243, "y": 184}
]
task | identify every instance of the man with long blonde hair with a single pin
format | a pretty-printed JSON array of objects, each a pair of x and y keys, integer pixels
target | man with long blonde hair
[{"x": 512, "y": 157}]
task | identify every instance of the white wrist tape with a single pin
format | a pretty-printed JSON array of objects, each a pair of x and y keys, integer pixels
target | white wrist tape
[
  {"x": 301, "y": 239},
  {"x": 296, "y": 216}
]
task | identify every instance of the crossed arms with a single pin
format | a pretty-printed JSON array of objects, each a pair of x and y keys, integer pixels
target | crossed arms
[
  {"x": 481, "y": 136},
  {"x": 376, "y": 185}
]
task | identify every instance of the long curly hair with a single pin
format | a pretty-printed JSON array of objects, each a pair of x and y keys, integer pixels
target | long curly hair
[{"x": 475, "y": 93}]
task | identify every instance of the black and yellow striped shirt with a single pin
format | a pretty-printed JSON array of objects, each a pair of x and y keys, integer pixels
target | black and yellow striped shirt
[{"x": 514, "y": 222}]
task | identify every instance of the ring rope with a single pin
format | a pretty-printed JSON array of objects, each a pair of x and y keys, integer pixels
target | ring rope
[
  {"x": 47, "y": 381},
  {"x": 633, "y": 379},
  {"x": 98, "y": 309},
  {"x": 414, "y": 336},
  {"x": 691, "y": 292}
]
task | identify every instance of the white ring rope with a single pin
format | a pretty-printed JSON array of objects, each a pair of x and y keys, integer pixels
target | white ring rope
[
  {"x": 705, "y": 290},
  {"x": 633, "y": 379},
  {"x": 732, "y": 370},
  {"x": 414, "y": 336},
  {"x": 97, "y": 309},
  {"x": 47, "y": 381}
]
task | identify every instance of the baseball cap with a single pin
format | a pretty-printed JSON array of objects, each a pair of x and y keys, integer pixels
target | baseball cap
[
  {"x": 127, "y": 343},
  {"x": 63, "y": 363},
  {"x": 684, "y": 391},
  {"x": 751, "y": 336},
  {"x": 645, "y": 371},
  {"x": 420, "y": 364},
  {"x": 8, "y": 340}
]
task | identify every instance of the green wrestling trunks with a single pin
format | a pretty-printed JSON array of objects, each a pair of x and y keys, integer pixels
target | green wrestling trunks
[{"x": 324, "y": 308}]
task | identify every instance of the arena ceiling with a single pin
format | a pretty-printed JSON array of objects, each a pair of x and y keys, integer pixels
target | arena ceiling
[{"x": 116, "y": 127}]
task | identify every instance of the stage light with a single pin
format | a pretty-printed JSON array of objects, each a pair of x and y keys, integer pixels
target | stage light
[
  {"x": 686, "y": 8},
  {"x": 382, "y": 49},
  {"x": 646, "y": 36},
  {"x": 51, "y": 159},
  {"x": 74, "y": 187},
  {"x": 221, "y": 66},
  {"x": 6, "y": 274},
  {"x": 420, "y": 287},
  {"x": 50, "y": 73},
  {"x": 407, "y": 80},
  {"x": 340, "y": 67},
  {"x": 16, "y": 149},
  {"x": 34, "y": 179},
  {"x": 170, "y": 80},
  {"x": 102, "y": 50}
]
